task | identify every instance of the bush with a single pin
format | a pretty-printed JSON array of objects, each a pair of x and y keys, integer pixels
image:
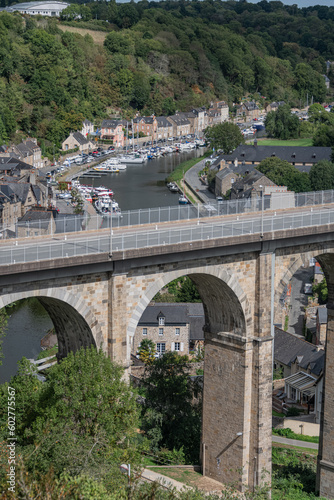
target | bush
[
  {"x": 171, "y": 457},
  {"x": 294, "y": 412}
]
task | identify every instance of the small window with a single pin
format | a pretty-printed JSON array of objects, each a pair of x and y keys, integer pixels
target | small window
[
  {"x": 144, "y": 331},
  {"x": 177, "y": 331},
  {"x": 177, "y": 346},
  {"x": 161, "y": 331},
  {"x": 162, "y": 321}
]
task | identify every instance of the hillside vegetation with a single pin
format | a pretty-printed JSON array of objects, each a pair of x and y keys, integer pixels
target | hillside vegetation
[{"x": 158, "y": 57}]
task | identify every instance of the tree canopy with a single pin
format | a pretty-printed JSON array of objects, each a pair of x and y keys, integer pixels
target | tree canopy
[
  {"x": 158, "y": 57},
  {"x": 224, "y": 136},
  {"x": 282, "y": 173},
  {"x": 281, "y": 124}
]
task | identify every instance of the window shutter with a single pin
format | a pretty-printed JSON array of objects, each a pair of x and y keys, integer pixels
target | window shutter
[
  {"x": 173, "y": 346},
  {"x": 181, "y": 346}
]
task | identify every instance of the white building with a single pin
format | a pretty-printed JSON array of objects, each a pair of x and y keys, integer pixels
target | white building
[{"x": 52, "y": 9}]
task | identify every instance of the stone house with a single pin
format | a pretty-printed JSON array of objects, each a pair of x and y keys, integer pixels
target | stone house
[
  {"x": 247, "y": 155},
  {"x": 113, "y": 129},
  {"x": 302, "y": 365},
  {"x": 164, "y": 128},
  {"x": 170, "y": 326},
  {"x": 77, "y": 140},
  {"x": 181, "y": 125},
  {"x": 10, "y": 210},
  {"x": 13, "y": 167},
  {"x": 29, "y": 195},
  {"x": 321, "y": 325},
  {"x": 249, "y": 110},
  {"x": 273, "y": 106},
  {"x": 35, "y": 223},
  {"x": 217, "y": 113},
  {"x": 202, "y": 119},
  {"x": 252, "y": 185},
  {"x": 225, "y": 178},
  {"x": 147, "y": 125},
  {"x": 29, "y": 152}
]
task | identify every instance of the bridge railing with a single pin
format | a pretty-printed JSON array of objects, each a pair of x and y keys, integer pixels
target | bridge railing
[
  {"x": 79, "y": 223},
  {"x": 94, "y": 243}
]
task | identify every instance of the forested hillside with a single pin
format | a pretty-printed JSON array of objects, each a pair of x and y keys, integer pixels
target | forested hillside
[{"x": 158, "y": 57}]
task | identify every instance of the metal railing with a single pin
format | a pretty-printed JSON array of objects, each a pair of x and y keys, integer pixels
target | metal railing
[
  {"x": 79, "y": 223},
  {"x": 111, "y": 241}
]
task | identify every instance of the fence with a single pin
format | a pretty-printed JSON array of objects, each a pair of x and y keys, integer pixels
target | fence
[
  {"x": 19, "y": 252},
  {"x": 69, "y": 224}
]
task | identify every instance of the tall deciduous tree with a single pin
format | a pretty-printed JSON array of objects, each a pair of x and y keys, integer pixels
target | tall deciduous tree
[
  {"x": 282, "y": 173},
  {"x": 225, "y": 136},
  {"x": 80, "y": 420},
  {"x": 322, "y": 175},
  {"x": 171, "y": 417},
  {"x": 281, "y": 124}
]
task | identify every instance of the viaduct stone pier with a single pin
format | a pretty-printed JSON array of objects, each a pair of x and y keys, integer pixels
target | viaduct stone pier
[{"x": 99, "y": 300}]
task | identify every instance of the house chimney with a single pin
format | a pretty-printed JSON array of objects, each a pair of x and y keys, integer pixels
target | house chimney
[{"x": 222, "y": 164}]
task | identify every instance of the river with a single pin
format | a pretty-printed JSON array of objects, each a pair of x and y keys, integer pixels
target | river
[
  {"x": 139, "y": 186},
  {"x": 142, "y": 185}
]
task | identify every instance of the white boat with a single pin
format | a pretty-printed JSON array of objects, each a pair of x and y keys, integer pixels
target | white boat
[
  {"x": 110, "y": 169},
  {"x": 132, "y": 159},
  {"x": 183, "y": 200}
]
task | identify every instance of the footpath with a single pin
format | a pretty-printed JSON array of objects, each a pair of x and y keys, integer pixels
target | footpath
[{"x": 295, "y": 442}]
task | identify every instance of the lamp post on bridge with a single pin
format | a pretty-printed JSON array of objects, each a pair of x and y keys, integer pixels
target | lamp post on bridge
[
  {"x": 262, "y": 208},
  {"x": 110, "y": 250}
]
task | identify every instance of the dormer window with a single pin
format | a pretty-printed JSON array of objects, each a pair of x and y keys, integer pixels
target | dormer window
[
  {"x": 314, "y": 155},
  {"x": 273, "y": 154},
  {"x": 293, "y": 155},
  {"x": 161, "y": 319}
]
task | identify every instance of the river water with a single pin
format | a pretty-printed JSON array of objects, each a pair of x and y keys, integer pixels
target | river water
[
  {"x": 139, "y": 186},
  {"x": 142, "y": 185}
]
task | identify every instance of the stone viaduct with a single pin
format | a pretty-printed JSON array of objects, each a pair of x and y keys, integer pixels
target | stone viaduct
[{"x": 99, "y": 300}]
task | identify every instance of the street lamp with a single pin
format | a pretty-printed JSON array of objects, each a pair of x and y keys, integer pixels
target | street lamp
[
  {"x": 110, "y": 252},
  {"x": 262, "y": 208}
]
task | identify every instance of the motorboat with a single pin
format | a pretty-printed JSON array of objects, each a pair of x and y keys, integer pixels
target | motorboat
[
  {"x": 110, "y": 169},
  {"x": 183, "y": 200},
  {"x": 132, "y": 159}
]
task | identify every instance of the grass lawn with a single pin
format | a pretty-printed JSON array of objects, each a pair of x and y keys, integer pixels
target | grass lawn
[
  {"x": 98, "y": 36},
  {"x": 177, "y": 174},
  {"x": 277, "y": 142},
  {"x": 307, "y": 451}
]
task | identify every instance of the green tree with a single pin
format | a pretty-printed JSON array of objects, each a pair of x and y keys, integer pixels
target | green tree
[
  {"x": 82, "y": 417},
  {"x": 282, "y": 173},
  {"x": 225, "y": 136},
  {"x": 147, "y": 350},
  {"x": 324, "y": 136},
  {"x": 321, "y": 289},
  {"x": 3, "y": 325},
  {"x": 322, "y": 175},
  {"x": 281, "y": 124},
  {"x": 171, "y": 415}
]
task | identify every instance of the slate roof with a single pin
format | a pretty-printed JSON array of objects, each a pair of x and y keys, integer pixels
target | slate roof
[
  {"x": 20, "y": 189},
  {"x": 322, "y": 315},
  {"x": 175, "y": 314},
  {"x": 224, "y": 172},
  {"x": 12, "y": 163},
  {"x": 163, "y": 122},
  {"x": 179, "y": 120},
  {"x": 79, "y": 138},
  {"x": 109, "y": 123},
  {"x": 292, "y": 154},
  {"x": 289, "y": 347}
]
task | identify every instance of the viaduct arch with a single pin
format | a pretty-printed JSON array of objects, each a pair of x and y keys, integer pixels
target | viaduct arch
[{"x": 238, "y": 280}]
